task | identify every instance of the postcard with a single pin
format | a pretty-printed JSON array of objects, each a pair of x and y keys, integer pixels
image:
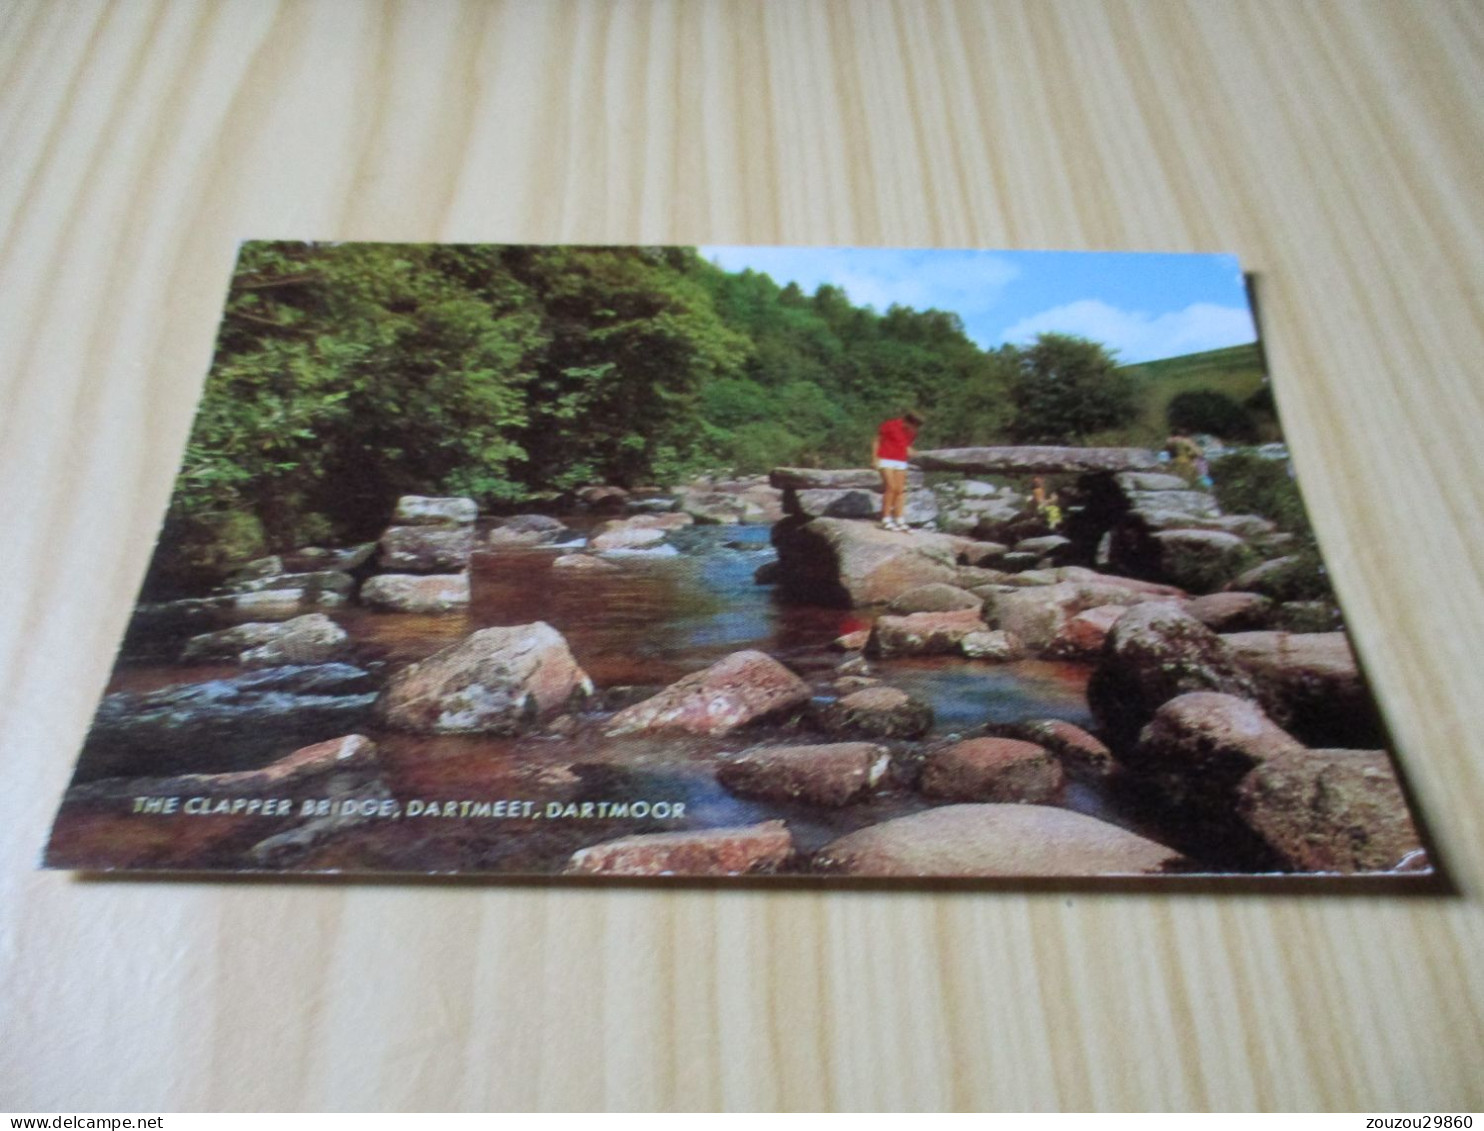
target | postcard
[{"x": 684, "y": 562}]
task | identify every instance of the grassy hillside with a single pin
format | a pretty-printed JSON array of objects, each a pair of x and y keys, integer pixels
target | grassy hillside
[{"x": 1236, "y": 371}]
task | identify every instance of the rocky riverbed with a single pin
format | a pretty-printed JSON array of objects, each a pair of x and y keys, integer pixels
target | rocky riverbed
[{"x": 743, "y": 678}]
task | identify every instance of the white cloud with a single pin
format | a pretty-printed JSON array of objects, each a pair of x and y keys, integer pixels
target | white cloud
[
  {"x": 966, "y": 282},
  {"x": 1139, "y": 336}
]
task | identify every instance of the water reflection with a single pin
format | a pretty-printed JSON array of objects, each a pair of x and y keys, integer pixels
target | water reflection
[{"x": 650, "y": 622}]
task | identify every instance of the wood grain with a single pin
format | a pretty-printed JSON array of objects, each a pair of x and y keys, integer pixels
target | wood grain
[{"x": 1337, "y": 147}]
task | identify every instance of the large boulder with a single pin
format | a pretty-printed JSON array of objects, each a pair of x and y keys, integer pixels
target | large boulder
[
  {"x": 604, "y": 498},
  {"x": 1304, "y": 616},
  {"x": 1197, "y": 504},
  {"x": 310, "y": 639},
  {"x": 747, "y": 500},
  {"x": 1274, "y": 578},
  {"x": 714, "y": 508},
  {"x": 1248, "y": 526},
  {"x": 584, "y": 563},
  {"x": 997, "y": 646},
  {"x": 1155, "y": 652},
  {"x": 875, "y": 712},
  {"x": 224, "y": 725},
  {"x": 923, "y": 634},
  {"x": 839, "y": 562},
  {"x": 1084, "y": 576},
  {"x": 1038, "y": 614},
  {"x": 342, "y": 559},
  {"x": 743, "y": 688},
  {"x": 1198, "y": 746},
  {"x": 654, "y": 504},
  {"x": 1082, "y": 637},
  {"x": 992, "y": 769},
  {"x": 1310, "y": 683},
  {"x": 832, "y": 774},
  {"x": 311, "y": 585},
  {"x": 258, "y": 568},
  {"x": 1232, "y": 612},
  {"x": 157, "y": 631},
  {"x": 833, "y": 502},
  {"x": 525, "y": 530},
  {"x": 1019, "y": 560},
  {"x": 1191, "y": 760},
  {"x": 995, "y": 840},
  {"x": 702, "y": 852},
  {"x": 996, "y": 520},
  {"x": 1079, "y": 751},
  {"x": 1149, "y": 481},
  {"x": 417, "y": 593},
  {"x": 417, "y": 510},
  {"x": 426, "y": 549},
  {"x": 972, "y": 579},
  {"x": 495, "y": 681},
  {"x": 627, "y": 538},
  {"x": 662, "y": 521},
  {"x": 1330, "y": 811},
  {"x": 920, "y": 506},
  {"x": 350, "y": 754},
  {"x": 281, "y": 604},
  {"x": 936, "y": 598},
  {"x": 1201, "y": 560},
  {"x": 1150, "y": 519},
  {"x": 982, "y": 554}
]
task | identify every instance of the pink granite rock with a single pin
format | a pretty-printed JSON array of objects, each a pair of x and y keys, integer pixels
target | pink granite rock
[
  {"x": 992, "y": 769},
  {"x": 832, "y": 774},
  {"x": 744, "y": 687},
  {"x": 702, "y": 852},
  {"x": 498, "y": 680}
]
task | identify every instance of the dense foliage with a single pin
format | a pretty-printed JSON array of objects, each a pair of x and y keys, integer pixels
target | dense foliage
[
  {"x": 1065, "y": 389},
  {"x": 348, "y": 374},
  {"x": 1246, "y": 483}
]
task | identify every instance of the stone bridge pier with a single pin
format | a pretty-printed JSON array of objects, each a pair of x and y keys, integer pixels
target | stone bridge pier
[{"x": 1122, "y": 513}]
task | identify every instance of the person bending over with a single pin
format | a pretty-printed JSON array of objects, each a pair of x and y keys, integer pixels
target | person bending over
[{"x": 890, "y": 452}]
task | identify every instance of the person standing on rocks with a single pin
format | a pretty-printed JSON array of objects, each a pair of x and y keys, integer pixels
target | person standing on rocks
[
  {"x": 890, "y": 452},
  {"x": 1184, "y": 454}
]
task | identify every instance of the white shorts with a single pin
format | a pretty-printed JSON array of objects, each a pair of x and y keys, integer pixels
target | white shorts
[{"x": 892, "y": 464}]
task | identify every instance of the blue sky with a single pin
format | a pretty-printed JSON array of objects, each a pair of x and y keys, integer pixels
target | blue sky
[{"x": 1143, "y": 305}]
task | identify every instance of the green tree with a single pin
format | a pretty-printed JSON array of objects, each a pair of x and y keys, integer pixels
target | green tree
[
  {"x": 632, "y": 338},
  {"x": 1066, "y": 388},
  {"x": 348, "y": 374}
]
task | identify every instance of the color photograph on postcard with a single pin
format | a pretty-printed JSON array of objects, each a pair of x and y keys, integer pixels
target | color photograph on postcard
[{"x": 736, "y": 561}]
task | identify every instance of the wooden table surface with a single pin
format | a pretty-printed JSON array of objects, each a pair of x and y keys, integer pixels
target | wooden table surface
[{"x": 1338, "y": 147}]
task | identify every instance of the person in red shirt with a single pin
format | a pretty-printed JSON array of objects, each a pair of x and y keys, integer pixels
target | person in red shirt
[{"x": 890, "y": 452}]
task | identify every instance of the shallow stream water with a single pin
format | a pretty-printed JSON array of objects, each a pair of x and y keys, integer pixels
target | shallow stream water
[{"x": 635, "y": 630}]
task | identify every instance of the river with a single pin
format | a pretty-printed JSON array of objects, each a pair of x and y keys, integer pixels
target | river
[{"x": 635, "y": 630}]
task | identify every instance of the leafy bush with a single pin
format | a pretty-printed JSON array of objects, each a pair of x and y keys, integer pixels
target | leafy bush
[
  {"x": 1249, "y": 484},
  {"x": 1205, "y": 410},
  {"x": 1262, "y": 402}
]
